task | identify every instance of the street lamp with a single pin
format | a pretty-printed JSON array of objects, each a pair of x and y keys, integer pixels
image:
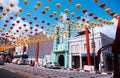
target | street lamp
[
  {"x": 1, "y": 7},
  {"x": 93, "y": 46}
]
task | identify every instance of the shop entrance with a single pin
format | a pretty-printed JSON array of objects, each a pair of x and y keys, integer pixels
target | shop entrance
[{"x": 75, "y": 62}]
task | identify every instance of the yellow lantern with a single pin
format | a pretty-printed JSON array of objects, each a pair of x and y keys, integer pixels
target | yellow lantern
[
  {"x": 69, "y": 0},
  {"x": 93, "y": 26},
  {"x": 66, "y": 10},
  {"x": 16, "y": 14},
  {"x": 108, "y": 10},
  {"x": 25, "y": 2},
  {"x": 61, "y": 16},
  {"x": 0, "y": 17},
  {"x": 49, "y": 0},
  {"x": 72, "y": 21},
  {"x": 4, "y": 13},
  {"x": 78, "y": 6},
  {"x": 55, "y": 13},
  {"x": 8, "y": 9},
  {"x": 20, "y": 10},
  {"x": 61, "y": 20},
  {"x": 96, "y": 1},
  {"x": 100, "y": 19},
  {"x": 11, "y": 4},
  {"x": 115, "y": 15},
  {"x": 87, "y": 21},
  {"x": 28, "y": 14},
  {"x": 58, "y": 5},
  {"x": 39, "y": 3},
  {"x": 47, "y": 29},
  {"x": 22, "y": 32},
  {"x": 47, "y": 8},
  {"x": 35, "y": 7},
  {"x": 72, "y": 14}
]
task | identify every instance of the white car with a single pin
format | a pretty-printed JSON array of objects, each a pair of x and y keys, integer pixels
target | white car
[{"x": 52, "y": 65}]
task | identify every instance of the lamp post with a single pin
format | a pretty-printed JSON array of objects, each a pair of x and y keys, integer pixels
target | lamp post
[
  {"x": 1, "y": 7},
  {"x": 93, "y": 46}
]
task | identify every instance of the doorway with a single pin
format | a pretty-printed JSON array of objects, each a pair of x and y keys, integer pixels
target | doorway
[{"x": 61, "y": 60}]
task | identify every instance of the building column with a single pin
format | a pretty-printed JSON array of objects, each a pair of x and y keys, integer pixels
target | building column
[
  {"x": 66, "y": 59},
  {"x": 80, "y": 61},
  {"x": 70, "y": 60},
  {"x": 37, "y": 52}
]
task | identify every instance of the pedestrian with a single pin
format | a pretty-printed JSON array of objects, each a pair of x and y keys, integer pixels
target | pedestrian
[{"x": 102, "y": 66}]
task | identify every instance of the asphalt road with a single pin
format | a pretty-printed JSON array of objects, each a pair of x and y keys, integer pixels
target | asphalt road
[
  {"x": 8, "y": 74},
  {"x": 41, "y": 72}
]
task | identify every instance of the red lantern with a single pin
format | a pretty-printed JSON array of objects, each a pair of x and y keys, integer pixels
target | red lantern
[
  {"x": 95, "y": 17},
  {"x": 51, "y": 15},
  {"x": 18, "y": 21},
  {"x": 42, "y": 27},
  {"x": 37, "y": 25},
  {"x": 24, "y": 25},
  {"x": 6, "y": 21},
  {"x": 5, "y": 25},
  {"x": 6, "y": 33},
  {"x": 90, "y": 14},
  {"x": 23, "y": 18},
  {"x": 30, "y": 22},
  {"x": 83, "y": 19},
  {"x": 78, "y": 17},
  {"x": 20, "y": 27},
  {"x": 17, "y": 30},
  {"x": 31, "y": 32},
  {"x": 111, "y": 13},
  {"x": 84, "y": 11},
  {"x": 102, "y": 5},
  {"x": 67, "y": 19},
  {"x": 13, "y": 24},
  {"x": 36, "y": 29},
  {"x": 35, "y": 18},
  {"x": 36, "y": 33},
  {"x": 31, "y": 27},
  {"x": 48, "y": 23},
  {"x": 26, "y": 30},
  {"x": 56, "y": 18},
  {"x": 43, "y": 12},
  {"x": 11, "y": 17},
  {"x": 43, "y": 21}
]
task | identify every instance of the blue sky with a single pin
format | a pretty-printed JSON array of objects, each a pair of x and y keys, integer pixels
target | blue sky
[{"x": 90, "y": 5}]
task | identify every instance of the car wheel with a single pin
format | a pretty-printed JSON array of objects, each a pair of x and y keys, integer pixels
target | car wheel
[{"x": 51, "y": 67}]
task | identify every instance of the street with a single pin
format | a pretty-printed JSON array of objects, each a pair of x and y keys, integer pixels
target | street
[
  {"x": 7, "y": 74},
  {"x": 41, "y": 72}
]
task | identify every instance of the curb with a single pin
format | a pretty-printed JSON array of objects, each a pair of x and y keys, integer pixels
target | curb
[{"x": 103, "y": 73}]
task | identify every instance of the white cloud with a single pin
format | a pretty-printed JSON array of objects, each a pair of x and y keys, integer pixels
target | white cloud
[
  {"x": 109, "y": 30},
  {"x": 6, "y": 4}
]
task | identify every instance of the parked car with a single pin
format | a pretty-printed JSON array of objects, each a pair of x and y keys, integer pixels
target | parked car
[
  {"x": 2, "y": 62},
  {"x": 52, "y": 65}
]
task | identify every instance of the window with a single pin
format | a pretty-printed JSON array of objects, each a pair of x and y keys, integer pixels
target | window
[
  {"x": 72, "y": 48},
  {"x": 77, "y": 48},
  {"x": 84, "y": 47}
]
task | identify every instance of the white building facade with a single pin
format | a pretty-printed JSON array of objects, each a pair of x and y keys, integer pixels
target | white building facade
[{"x": 77, "y": 51}]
